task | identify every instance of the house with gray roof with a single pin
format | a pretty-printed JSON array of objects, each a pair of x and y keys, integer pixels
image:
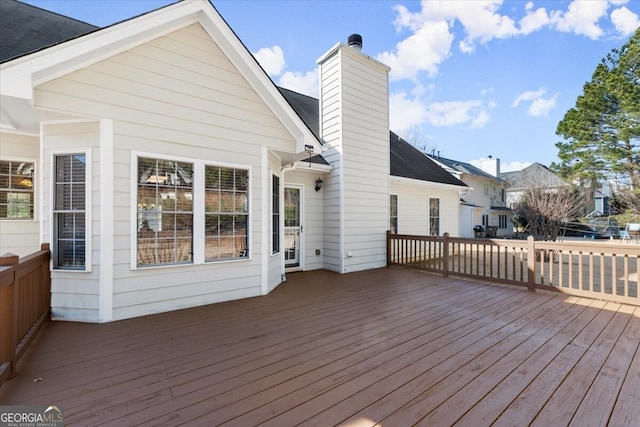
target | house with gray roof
[
  {"x": 167, "y": 170},
  {"x": 485, "y": 204}
]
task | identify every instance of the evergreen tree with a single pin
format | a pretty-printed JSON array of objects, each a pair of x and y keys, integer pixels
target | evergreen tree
[{"x": 602, "y": 131}]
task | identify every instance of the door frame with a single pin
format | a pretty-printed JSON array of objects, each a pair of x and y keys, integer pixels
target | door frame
[{"x": 301, "y": 189}]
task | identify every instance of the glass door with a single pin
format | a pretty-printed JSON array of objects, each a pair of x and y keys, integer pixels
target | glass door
[{"x": 292, "y": 227}]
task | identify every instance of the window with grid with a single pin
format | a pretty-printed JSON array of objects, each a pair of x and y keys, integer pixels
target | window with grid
[
  {"x": 16, "y": 190},
  {"x": 226, "y": 213},
  {"x": 502, "y": 221},
  {"x": 275, "y": 215},
  {"x": 69, "y": 211},
  {"x": 434, "y": 217},
  {"x": 164, "y": 212},
  {"x": 393, "y": 213}
]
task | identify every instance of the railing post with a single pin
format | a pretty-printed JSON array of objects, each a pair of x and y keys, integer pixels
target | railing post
[
  {"x": 388, "y": 247},
  {"x": 8, "y": 315},
  {"x": 445, "y": 254},
  {"x": 531, "y": 263}
]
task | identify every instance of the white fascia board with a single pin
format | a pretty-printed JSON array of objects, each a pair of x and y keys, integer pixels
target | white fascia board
[
  {"x": 248, "y": 67},
  {"x": 20, "y": 76},
  {"x": 301, "y": 166},
  {"x": 426, "y": 184}
]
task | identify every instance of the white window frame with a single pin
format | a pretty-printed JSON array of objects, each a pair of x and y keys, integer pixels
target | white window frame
[
  {"x": 429, "y": 216},
  {"x": 397, "y": 217},
  {"x": 88, "y": 208},
  {"x": 198, "y": 210},
  {"x": 275, "y": 175},
  {"x": 35, "y": 189}
]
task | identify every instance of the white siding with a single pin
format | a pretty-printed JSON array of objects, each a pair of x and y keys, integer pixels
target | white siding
[
  {"x": 355, "y": 126},
  {"x": 74, "y": 294},
  {"x": 177, "y": 95},
  {"x": 21, "y": 237},
  {"x": 413, "y": 208}
]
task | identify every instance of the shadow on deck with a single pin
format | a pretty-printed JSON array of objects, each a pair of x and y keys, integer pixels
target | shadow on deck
[{"x": 392, "y": 346}]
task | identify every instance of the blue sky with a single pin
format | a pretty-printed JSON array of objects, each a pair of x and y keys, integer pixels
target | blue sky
[{"x": 470, "y": 78}]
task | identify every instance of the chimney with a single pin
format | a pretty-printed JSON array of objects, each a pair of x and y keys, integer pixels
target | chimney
[
  {"x": 354, "y": 125},
  {"x": 491, "y": 166}
]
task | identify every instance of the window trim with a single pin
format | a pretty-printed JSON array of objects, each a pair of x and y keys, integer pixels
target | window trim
[
  {"x": 36, "y": 189},
  {"x": 439, "y": 232},
  {"x": 88, "y": 207},
  {"x": 397, "y": 214},
  {"x": 198, "y": 210},
  {"x": 272, "y": 214}
]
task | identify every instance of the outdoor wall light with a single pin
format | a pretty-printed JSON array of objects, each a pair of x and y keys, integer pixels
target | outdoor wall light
[{"x": 318, "y": 184}]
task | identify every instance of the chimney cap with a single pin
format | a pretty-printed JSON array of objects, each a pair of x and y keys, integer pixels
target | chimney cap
[{"x": 355, "y": 41}]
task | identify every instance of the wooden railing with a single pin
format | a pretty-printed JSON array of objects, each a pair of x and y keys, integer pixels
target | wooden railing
[
  {"x": 25, "y": 301},
  {"x": 606, "y": 270}
]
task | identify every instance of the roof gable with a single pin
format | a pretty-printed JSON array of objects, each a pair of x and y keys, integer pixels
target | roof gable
[{"x": 535, "y": 175}]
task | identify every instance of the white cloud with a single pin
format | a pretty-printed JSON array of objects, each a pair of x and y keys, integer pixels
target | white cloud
[
  {"x": 529, "y": 95},
  {"x": 581, "y": 18},
  {"x": 512, "y": 166},
  {"x": 408, "y": 113},
  {"x": 539, "y": 106},
  {"x": 305, "y": 83},
  {"x": 625, "y": 21},
  {"x": 405, "y": 113},
  {"x": 422, "y": 51},
  {"x": 271, "y": 59},
  {"x": 451, "y": 113},
  {"x": 534, "y": 20}
]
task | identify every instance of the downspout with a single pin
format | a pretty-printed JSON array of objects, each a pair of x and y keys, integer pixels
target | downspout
[{"x": 288, "y": 168}]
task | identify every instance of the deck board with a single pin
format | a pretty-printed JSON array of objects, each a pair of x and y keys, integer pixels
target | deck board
[{"x": 388, "y": 347}]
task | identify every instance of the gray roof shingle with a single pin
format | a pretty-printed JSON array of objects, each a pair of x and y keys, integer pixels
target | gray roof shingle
[{"x": 27, "y": 29}]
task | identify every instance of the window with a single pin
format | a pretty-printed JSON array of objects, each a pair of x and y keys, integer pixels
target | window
[
  {"x": 485, "y": 220},
  {"x": 275, "y": 215},
  {"x": 486, "y": 189},
  {"x": 502, "y": 195},
  {"x": 164, "y": 212},
  {"x": 69, "y": 211},
  {"x": 393, "y": 213},
  {"x": 16, "y": 190},
  {"x": 226, "y": 213},
  {"x": 502, "y": 221},
  {"x": 434, "y": 217}
]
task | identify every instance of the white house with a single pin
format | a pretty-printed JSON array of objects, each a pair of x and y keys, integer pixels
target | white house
[
  {"x": 167, "y": 170},
  {"x": 485, "y": 204}
]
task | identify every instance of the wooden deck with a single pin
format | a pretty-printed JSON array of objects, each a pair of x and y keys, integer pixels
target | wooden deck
[{"x": 392, "y": 346}]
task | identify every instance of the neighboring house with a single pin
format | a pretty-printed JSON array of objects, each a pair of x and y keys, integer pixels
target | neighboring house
[
  {"x": 167, "y": 170},
  {"x": 485, "y": 203},
  {"x": 535, "y": 175}
]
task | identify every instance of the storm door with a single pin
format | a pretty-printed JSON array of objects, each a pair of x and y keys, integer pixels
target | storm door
[{"x": 292, "y": 227}]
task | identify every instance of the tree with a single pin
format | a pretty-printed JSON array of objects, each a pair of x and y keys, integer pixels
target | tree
[
  {"x": 602, "y": 131},
  {"x": 545, "y": 211}
]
